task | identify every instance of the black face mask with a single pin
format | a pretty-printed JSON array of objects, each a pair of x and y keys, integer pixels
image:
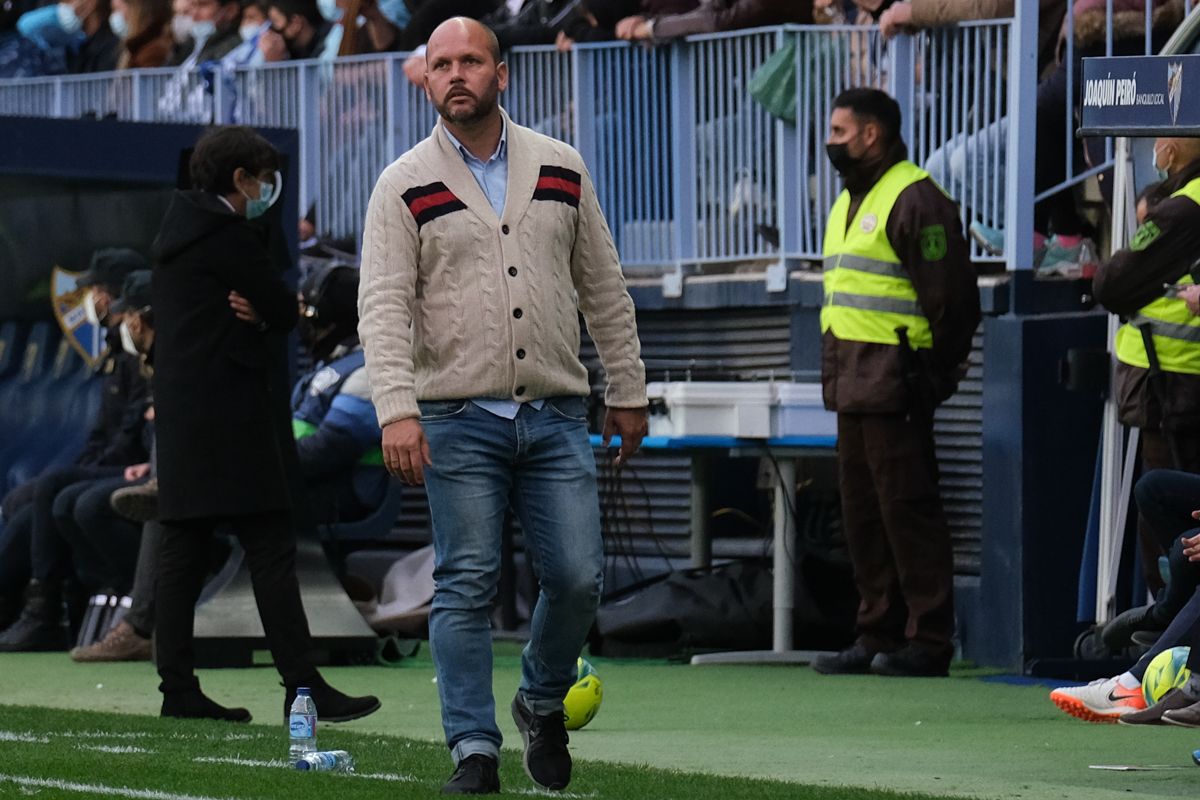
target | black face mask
[{"x": 843, "y": 162}]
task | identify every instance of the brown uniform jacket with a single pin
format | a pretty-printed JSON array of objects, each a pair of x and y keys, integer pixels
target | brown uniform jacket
[
  {"x": 1133, "y": 278},
  {"x": 867, "y": 378}
]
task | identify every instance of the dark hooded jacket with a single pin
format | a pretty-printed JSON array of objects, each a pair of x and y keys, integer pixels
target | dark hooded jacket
[{"x": 224, "y": 438}]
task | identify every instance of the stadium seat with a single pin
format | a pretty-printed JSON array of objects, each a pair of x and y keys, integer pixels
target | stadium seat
[{"x": 376, "y": 526}]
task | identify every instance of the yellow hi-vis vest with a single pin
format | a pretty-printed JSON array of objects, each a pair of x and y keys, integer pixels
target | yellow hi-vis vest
[
  {"x": 867, "y": 292},
  {"x": 1174, "y": 330}
]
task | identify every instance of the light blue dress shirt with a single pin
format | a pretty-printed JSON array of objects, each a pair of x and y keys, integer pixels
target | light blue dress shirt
[{"x": 492, "y": 177}]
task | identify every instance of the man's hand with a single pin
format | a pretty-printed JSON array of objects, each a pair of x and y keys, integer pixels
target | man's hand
[
  {"x": 414, "y": 69},
  {"x": 628, "y": 423},
  {"x": 896, "y": 20},
  {"x": 406, "y": 450},
  {"x": 242, "y": 308},
  {"x": 563, "y": 43},
  {"x": 1191, "y": 296},
  {"x": 272, "y": 46},
  {"x": 633, "y": 29},
  {"x": 136, "y": 472}
]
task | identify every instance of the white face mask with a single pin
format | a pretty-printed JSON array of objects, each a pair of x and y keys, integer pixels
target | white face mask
[
  {"x": 203, "y": 28},
  {"x": 330, "y": 11},
  {"x": 248, "y": 31},
  {"x": 118, "y": 24},
  {"x": 89, "y": 309},
  {"x": 1163, "y": 174},
  {"x": 181, "y": 28},
  {"x": 68, "y": 20},
  {"x": 127, "y": 339}
]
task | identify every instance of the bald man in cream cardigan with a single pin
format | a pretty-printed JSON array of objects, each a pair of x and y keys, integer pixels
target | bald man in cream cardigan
[{"x": 482, "y": 246}]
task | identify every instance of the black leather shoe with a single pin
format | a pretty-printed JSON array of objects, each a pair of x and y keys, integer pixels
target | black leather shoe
[
  {"x": 475, "y": 774},
  {"x": 547, "y": 760},
  {"x": 854, "y": 660},
  {"x": 910, "y": 662},
  {"x": 197, "y": 705},
  {"x": 332, "y": 705}
]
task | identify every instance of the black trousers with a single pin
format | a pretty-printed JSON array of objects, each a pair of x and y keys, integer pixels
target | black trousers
[
  {"x": 50, "y": 552},
  {"x": 270, "y": 547},
  {"x": 896, "y": 532},
  {"x": 15, "y": 534},
  {"x": 104, "y": 545}
]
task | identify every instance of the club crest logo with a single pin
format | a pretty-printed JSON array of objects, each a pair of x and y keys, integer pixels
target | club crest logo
[
  {"x": 69, "y": 309},
  {"x": 869, "y": 222},
  {"x": 1174, "y": 89}
]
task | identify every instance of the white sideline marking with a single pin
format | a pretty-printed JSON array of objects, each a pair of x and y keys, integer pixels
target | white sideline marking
[
  {"x": 29, "y": 738},
  {"x": 102, "y": 735},
  {"x": 114, "y": 748},
  {"x": 98, "y": 788},
  {"x": 386, "y": 776},
  {"x": 548, "y": 793}
]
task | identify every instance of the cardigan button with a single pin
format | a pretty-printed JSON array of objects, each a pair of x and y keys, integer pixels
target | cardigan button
[
  {"x": 512, "y": 271},
  {"x": 520, "y": 390},
  {"x": 518, "y": 313},
  {"x": 504, "y": 229},
  {"x": 520, "y": 352}
]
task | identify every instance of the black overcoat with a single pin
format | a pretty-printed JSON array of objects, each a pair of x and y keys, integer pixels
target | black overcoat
[{"x": 222, "y": 434}]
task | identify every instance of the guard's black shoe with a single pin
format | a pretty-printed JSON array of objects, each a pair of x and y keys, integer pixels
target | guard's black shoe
[
  {"x": 547, "y": 760},
  {"x": 911, "y": 662},
  {"x": 475, "y": 774},
  {"x": 854, "y": 660}
]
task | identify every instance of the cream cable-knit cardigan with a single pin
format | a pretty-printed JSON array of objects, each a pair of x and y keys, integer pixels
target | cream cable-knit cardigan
[{"x": 455, "y": 303}]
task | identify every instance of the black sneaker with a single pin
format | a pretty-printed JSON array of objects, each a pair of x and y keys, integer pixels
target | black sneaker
[
  {"x": 194, "y": 704},
  {"x": 475, "y": 774},
  {"x": 1119, "y": 631},
  {"x": 910, "y": 662},
  {"x": 547, "y": 760},
  {"x": 854, "y": 660}
]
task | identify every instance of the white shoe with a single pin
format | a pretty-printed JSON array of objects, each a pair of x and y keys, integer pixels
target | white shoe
[{"x": 1104, "y": 700}]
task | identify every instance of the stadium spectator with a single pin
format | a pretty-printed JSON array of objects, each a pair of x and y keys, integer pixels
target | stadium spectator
[
  {"x": 480, "y": 249},
  {"x": 223, "y": 441},
  {"x": 181, "y": 22},
  {"x": 714, "y": 16},
  {"x": 114, "y": 443},
  {"x": 901, "y": 308},
  {"x": 361, "y": 26},
  {"x": 98, "y": 49},
  {"x": 298, "y": 31},
  {"x": 1157, "y": 382},
  {"x": 145, "y": 30},
  {"x": 428, "y": 14},
  {"x": 1062, "y": 238},
  {"x": 212, "y": 34}
]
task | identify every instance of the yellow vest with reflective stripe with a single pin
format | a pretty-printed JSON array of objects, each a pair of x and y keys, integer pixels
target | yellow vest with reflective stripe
[
  {"x": 867, "y": 292},
  {"x": 1174, "y": 329}
]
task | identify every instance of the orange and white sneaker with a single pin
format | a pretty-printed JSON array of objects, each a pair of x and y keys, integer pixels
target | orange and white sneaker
[{"x": 1104, "y": 700}]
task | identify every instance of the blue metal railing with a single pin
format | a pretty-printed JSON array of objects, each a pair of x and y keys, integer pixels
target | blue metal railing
[{"x": 689, "y": 167}]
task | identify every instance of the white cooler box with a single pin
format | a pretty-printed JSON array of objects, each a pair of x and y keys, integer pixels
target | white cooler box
[
  {"x": 712, "y": 408},
  {"x": 799, "y": 410}
]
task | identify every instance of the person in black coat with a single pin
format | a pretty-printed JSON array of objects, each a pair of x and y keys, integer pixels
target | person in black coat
[{"x": 222, "y": 312}]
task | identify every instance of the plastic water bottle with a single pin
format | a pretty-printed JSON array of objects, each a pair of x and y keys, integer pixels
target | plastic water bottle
[
  {"x": 326, "y": 761},
  {"x": 302, "y": 726}
]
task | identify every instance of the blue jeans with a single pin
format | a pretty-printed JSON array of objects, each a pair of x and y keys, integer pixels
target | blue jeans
[
  {"x": 971, "y": 168},
  {"x": 540, "y": 463}
]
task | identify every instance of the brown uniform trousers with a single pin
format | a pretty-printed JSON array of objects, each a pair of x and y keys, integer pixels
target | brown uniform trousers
[{"x": 896, "y": 532}]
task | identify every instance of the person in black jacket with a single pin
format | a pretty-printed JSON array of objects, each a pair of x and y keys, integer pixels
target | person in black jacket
[
  {"x": 223, "y": 432},
  {"x": 114, "y": 443}
]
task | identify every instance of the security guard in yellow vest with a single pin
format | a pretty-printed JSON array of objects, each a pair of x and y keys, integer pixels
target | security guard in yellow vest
[
  {"x": 1157, "y": 388},
  {"x": 901, "y": 306}
]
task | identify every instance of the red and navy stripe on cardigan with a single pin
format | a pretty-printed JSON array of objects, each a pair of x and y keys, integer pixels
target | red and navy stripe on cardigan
[
  {"x": 558, "y": 183},
  {"x": 428, "y": 202}
]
